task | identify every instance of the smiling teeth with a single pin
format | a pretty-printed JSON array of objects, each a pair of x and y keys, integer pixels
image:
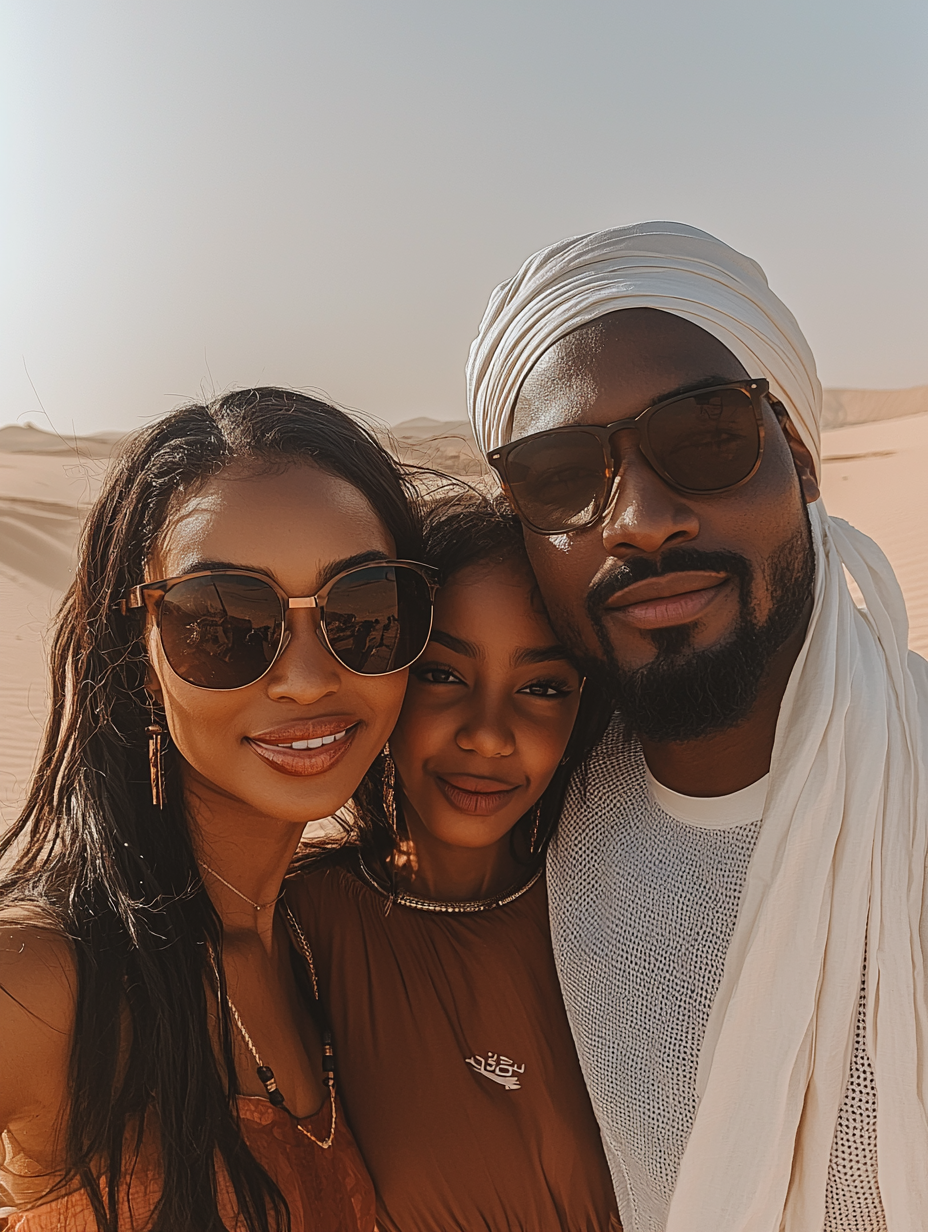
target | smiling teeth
[{"x": 315, "y": 744}]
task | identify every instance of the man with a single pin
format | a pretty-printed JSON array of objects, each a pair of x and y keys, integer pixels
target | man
[{"x": 738, "y": 886}]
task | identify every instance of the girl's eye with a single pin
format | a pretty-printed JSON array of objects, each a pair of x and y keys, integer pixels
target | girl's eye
[
  {"x": 436, "y": 675},
  {"x": 546, "y": 688}
]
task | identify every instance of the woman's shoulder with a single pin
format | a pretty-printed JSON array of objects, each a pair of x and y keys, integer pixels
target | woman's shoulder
[
  {"x": 37, "y": 965},
  {"x": 38, "y": 993}
]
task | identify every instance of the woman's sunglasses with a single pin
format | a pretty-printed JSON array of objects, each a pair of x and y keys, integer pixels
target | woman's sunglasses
[
  {"x": 225, "y": 628},
  {"x": 701, "y": 443}
]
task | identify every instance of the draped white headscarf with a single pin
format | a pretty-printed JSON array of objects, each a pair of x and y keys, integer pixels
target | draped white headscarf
[{"x": 840, "y": 863}]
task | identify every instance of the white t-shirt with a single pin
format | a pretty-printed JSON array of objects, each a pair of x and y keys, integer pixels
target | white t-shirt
[{"x": 644, "y": 886}]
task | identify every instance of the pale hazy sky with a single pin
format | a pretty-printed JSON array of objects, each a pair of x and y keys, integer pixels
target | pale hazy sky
[{"x": 206, "y": 193}]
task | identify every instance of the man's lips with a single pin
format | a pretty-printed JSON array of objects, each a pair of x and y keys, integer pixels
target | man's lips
[
  {"x": 305, "y": 748},
  {"x": 480, "y": 797},
  {"x": 674, "y": 599}
]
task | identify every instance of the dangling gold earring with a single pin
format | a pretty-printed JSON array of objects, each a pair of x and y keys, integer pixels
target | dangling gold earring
[
  {"x": 536, "y": 817},
  {"x": 389, "y": 789},
  {"x": 155, "y": 732}
]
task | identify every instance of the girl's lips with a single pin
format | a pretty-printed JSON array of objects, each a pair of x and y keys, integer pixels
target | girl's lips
[
  {"x": 302, "y": 762},
  {"x": 476, "y": 803}
]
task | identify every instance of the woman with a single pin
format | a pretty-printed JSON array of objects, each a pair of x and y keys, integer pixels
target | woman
[
  {"x": 431, "y": 937},
  {"x": 226, "y": 665}
]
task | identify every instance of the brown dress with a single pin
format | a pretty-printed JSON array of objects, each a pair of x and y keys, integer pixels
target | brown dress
[
  {"x": 327, "y": 1191},
  {"x": 455, "y": 1061}
]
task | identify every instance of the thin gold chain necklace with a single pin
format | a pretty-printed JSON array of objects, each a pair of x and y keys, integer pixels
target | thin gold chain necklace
[
  {"x": 244, "y": 897},
  {"x": 265, "y": 1073}
]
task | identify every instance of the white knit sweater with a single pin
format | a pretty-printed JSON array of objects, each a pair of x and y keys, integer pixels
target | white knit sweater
[{"x": 643, "y": 906}]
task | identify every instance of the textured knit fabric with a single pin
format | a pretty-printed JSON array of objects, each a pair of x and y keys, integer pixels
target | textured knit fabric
[
  {"x": 327, "y": 1191},
  {"x": 456, "y": 1062},
  {"x": 840, "y": 861},
  {"x": 852, "y": 1199},
  {"x": 643, "y": 907}
]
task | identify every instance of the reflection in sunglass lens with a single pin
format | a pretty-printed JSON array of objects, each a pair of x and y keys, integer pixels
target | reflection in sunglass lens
[
  {"x": 221, "y": 631},
  {"x": 558, "y": 479},
  {"x": 377, "y": 619},
  {"x": 706, "y": 442}
]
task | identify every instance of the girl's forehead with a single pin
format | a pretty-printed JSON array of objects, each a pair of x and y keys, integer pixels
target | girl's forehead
[{"x": 493, "y": 605}]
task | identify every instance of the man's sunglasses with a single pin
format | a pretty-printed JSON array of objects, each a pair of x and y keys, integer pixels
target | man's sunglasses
[
  {"x": 701, "y": 443},
  {"x": 225, "y": 628}
]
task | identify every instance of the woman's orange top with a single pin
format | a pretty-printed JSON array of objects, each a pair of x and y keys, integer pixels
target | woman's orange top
[
  {"x": 327, "y": 1191},
  {"x": 455, "y": 1060}
]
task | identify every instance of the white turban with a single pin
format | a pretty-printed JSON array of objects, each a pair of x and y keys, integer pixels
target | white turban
[
  {"x": 839, "y": 870},
  {"x": 664, "y": 265}
]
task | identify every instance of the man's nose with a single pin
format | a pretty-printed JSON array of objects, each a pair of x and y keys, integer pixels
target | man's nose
[{"x": 645, "y": 514}]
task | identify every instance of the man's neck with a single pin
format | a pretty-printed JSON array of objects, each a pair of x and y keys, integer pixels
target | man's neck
[{"x": 727, "y": 761}]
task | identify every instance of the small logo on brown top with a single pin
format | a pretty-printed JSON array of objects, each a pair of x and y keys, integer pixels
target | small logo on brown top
[{"x": 498, "y": 1069}]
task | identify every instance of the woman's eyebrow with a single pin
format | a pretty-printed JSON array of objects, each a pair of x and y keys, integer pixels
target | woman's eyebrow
[
  {"x": 537, "y": 654},
  {"x": 330, "y": 571},
  {"x": 457, "y": 644},
  {"x": 348, "y": 562}
]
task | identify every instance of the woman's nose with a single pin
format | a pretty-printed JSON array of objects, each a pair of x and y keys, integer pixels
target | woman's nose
[{"x": 306, "y": 671}]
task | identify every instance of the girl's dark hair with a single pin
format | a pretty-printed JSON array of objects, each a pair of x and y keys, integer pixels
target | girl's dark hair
[
  {"x": 464, "y": 529},
  {"x": 117, "y": 876}
]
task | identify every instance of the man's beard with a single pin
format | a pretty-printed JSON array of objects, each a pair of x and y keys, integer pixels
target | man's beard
[{"x": 686, "y": 694}]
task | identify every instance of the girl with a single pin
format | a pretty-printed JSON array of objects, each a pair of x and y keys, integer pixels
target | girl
[
  {"x": 431, "y": 936},
  {"x": 228, "y": 662}
]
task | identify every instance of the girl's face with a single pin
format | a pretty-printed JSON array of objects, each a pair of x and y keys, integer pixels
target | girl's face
[
  {"x": 488, "y": 711},
  {"x": 299, "y": 527}
]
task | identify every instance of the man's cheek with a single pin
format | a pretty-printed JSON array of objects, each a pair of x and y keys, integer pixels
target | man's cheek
[{"x": 560, "y": 566}]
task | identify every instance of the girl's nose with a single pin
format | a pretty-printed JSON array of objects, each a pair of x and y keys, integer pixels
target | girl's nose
[{"x": 487, "y": 733}]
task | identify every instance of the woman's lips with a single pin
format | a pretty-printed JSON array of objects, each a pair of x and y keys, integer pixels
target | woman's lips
[
  {"x": 478, "y": 797},
  {"x": 665, "y": 601},
  {"x": 304, "y": 749}
]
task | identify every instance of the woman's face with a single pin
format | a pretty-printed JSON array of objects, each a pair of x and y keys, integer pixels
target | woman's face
[
  {"x": 488, "y": 711},
  {"x": 299, "y": 527}
]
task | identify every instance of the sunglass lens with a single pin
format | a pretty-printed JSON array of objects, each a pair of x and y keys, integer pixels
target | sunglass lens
[
  {"x": 221, "y": 631},
  {"x": 706, "y": 442},
  {"x": 557, "y": 480},
  {"x": 377, "y": 618}
]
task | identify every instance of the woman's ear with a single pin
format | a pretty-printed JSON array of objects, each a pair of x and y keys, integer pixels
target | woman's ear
[{"x": 802, "y": 458}]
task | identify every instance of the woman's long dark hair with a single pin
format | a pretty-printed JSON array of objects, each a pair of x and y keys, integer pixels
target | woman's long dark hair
[
  {"x": 462, "y": 529},
  {"x": 118, "y": 876}
]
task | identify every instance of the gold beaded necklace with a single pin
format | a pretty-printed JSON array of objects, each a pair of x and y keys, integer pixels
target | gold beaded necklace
[
  {"x": 447, "y": 908},
  {"x": 265, "y": 1073}
]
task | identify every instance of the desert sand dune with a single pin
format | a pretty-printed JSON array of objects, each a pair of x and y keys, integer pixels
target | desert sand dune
[
  {"x": 844, "y": 407},
  {"x": 873, "y": 475},
  {"x": 43, "y": 498}
]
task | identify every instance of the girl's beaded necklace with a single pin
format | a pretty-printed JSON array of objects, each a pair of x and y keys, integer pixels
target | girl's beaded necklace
[{"x": 265, "y": 1073}]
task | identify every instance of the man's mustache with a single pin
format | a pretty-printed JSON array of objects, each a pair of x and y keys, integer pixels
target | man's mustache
[{"x": 674, "y": 560}]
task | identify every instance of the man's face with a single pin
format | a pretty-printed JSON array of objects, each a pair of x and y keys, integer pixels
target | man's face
[{"x": 680, "y": 600}]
